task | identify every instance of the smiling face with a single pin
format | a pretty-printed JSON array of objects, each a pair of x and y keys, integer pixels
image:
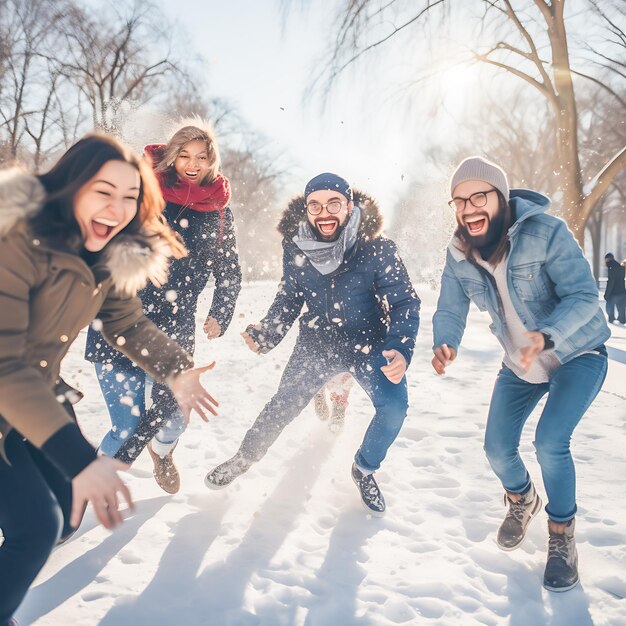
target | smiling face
[
  {"x": 328, "y": 225},
  {"x": 480, "y": 225},
  {"x": 106, "y": 203},
  {"x": 192, "y": 163}
]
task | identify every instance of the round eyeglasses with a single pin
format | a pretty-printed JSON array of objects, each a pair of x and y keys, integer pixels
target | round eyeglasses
[
  {"x": 478, "y": 200},
  {"x": 333, "y": 206}
]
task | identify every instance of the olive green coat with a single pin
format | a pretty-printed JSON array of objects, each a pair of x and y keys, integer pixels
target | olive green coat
[{"x": 47, "y": 296}]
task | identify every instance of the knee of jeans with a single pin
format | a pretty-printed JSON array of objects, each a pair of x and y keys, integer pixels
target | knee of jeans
[
  {"x": 548, "y": 448},
  {"x": 397, "y": 405},
  {"x": 497, "y": 454}
]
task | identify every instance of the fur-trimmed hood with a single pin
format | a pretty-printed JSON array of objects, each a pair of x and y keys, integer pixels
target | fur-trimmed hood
[
  {"x": 131, "y": 259},
  {"x": 371, "y": 218}
]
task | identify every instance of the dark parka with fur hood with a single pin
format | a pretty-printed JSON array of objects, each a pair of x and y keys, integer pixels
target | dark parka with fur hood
[
  {"x": 366, "y": 301},
  {"x": 47, "y": 295}
]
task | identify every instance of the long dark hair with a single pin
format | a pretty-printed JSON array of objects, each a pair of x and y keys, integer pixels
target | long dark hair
[
  {"x": 56, "y": 222},
  {"x": 501, "y": 248}
]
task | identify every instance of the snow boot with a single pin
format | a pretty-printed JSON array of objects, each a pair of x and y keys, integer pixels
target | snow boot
[
  {"x": 320, "y": 405},
  {"x": 165, "y": 471},
  {"x": 513, "y": 529},
  {"x": 224, "y": 474},
  {"x": 561, "y": 572},
  {"x": 371, "y": 497}
]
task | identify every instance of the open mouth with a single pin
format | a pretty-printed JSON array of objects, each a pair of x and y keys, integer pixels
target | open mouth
[
  {"x": 327, "y": 227},
  {"x": 192, "y": 175},
  {"x": 476, "y": 226},
  {"x": 103, "y": 227}
]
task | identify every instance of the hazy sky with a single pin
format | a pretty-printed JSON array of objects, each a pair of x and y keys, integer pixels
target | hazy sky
[{"x": 263, "y": 65}]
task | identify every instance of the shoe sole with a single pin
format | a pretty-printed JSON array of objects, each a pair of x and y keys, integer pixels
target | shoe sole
[
  {"x": 521, "y": 541},
  {"x": 213, "y": 486},
  {"x": 370, "y": 511},
  {"x": 560, "y": 589}
]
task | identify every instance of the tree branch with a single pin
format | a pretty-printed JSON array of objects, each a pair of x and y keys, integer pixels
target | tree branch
[
  {"x": 603, "y": 180},
  {"x": 396, "y": 30}
]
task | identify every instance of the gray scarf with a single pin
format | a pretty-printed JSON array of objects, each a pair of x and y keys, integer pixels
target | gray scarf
[{"x": 326, "y": 256}]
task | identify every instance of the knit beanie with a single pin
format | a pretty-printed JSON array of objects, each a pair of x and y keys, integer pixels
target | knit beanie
[
  {"x": 328, "y": 181},
  {"x": 478, "y": 168}
]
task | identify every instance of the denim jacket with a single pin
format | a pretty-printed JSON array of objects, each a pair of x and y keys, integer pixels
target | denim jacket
[{"x": 549, "y": 280}]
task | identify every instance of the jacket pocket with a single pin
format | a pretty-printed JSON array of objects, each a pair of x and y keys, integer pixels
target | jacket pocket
[
  {"x": 529, "y": 281},
  {"x": 476, "y": 291}
]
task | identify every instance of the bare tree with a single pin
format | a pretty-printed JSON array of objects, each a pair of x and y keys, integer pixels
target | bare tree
[
  {"x": 110, "y": 63},
  {"x": 256, "y": 177},
  {"x": 30, "y": 28},
  {"x": 519, "y": 53}
]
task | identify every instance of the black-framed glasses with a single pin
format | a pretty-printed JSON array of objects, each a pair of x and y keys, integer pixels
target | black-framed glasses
[
  {"x": 332, "y": 206},
  {"x": 478, "y": 200}
]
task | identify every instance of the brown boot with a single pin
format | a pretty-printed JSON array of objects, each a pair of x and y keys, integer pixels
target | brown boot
[{"x": 165, "y": 472}]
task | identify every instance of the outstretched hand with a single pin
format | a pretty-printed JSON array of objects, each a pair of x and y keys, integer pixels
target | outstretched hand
[
  {"x": 99, "y": 484},
  {"x": 396, "y": 366},
  {"x": 190, "y": 394},
  {"x": 444, "y": 355}
]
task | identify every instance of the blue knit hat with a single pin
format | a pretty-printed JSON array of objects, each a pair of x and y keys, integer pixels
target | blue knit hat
[{"x": 329, "y": 181}]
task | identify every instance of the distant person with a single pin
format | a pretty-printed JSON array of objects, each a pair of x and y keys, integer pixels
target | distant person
[
  {"x": 197, "y": 197},
  {"x": 615, "y": 292},
  {"x": 524, "y": 267}
]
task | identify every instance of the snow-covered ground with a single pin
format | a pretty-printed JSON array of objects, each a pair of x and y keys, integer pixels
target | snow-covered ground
[{"x": 288, "y": 543}]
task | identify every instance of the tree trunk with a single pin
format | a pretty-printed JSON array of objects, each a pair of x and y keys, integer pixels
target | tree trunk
[{"x": 570, "y": 176}]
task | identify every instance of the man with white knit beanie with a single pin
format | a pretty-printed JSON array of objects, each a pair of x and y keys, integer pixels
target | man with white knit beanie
[{"x": 524, "y": 267}]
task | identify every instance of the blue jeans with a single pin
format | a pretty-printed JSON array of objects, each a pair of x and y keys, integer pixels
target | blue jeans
[
  {"x": 124, "y": 390},
  {"x": 571, "y": 391},
  {"x": 312, "y": 364}
]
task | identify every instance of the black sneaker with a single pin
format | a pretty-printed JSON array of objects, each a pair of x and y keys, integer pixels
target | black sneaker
[
  {"x": 371, "y": 497},
  {"x": 513, "y": 529},
  {"x": 562, "y": 567},
  {"x": 225, "y": 473}
]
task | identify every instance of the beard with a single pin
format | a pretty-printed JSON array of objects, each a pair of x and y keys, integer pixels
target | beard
[
  {"x": 321, "y": 236},
  {"x": 493, "y": 235}
]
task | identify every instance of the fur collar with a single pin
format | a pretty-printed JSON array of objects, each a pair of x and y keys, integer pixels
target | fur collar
[
  {"x": 131, "y": 260},
  {"x": 371, "y": 217}
]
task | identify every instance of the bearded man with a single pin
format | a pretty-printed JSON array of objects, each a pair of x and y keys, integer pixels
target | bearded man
[
  {"x": 362, "y": 317},
  {"x": 524, "y": 267}
]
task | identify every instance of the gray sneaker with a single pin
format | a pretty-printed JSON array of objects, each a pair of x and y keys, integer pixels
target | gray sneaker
[
  {"x": 562, "y": 567},
  {"x": 225, "y": 473},
  {"x": 371, "y": 497},
  {"x": 513, "y": 529}
]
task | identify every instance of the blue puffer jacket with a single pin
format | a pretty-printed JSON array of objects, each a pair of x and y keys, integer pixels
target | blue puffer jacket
[
  {"x": 187, "y": 279},
  {"x": 549, "y": 280},
  {"x": 367, "y": 301}
]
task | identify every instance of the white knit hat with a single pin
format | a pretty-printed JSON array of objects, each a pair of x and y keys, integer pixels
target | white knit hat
[{"x": 478, "y": 168}]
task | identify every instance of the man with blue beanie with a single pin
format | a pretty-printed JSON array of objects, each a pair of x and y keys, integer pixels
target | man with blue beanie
[
  {"x": 362, "y": 317},
  {"x": 524, "y": 267}
]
